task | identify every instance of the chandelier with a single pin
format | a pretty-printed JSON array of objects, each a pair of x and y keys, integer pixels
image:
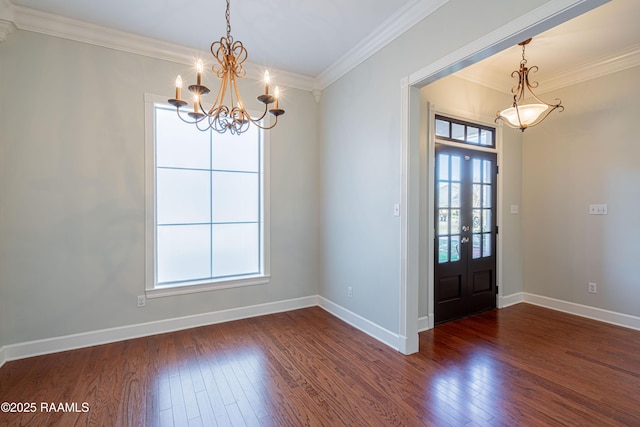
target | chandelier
[
  {"x": 232, "y": 116},
  {"x": 521, "y": 115}
]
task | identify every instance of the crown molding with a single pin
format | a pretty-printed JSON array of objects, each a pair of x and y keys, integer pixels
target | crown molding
[
  {"x": 28, "y": 19},
  {"x": 405, "y": 18},
  {"x": 71, "y": 29},
  {"x": 598, "y": 67}
]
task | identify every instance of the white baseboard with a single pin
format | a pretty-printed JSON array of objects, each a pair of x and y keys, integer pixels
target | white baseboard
[
  {"x": 393, "y": 340},
  {"x": 368, "y": 327},
  {"x": 512, "y": 299},
  {"x": 105, "y": 336},
  {"x": 619, "y": 319},
  {"x": 425, "y": 323}
]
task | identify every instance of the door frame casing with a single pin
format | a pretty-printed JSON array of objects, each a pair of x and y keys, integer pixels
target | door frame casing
[
  {"x": 544, "y": 17},
  {"x": 431, "y": 112}
]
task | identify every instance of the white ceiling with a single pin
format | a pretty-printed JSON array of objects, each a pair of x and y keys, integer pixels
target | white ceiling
[
  {"x": 300, "y": 36},
  {"x": 309, "y": 37}
]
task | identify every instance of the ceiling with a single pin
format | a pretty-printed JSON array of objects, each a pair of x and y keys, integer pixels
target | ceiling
[{"x": 309, "y": 37}]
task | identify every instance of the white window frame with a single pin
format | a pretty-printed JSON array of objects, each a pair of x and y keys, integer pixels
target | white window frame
[{"x": 151, "y": 288}]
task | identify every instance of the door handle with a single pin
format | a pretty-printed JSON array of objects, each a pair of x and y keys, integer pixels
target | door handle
[
  {"x": 465, "y": 228},
  {"x": 464, "y": 240}
]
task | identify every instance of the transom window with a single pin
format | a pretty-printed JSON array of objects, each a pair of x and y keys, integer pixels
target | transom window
[
  {"x": 464, "y": 132},
  {"x": 206, "y": 194}
]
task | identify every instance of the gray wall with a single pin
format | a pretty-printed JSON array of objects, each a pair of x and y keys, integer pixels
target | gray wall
[
  {"x": 588, "y": 154},
  {"x": 360, "y": 159},
  {"x": 72, "y": 191},
  {"x": 469, "y": 100}
]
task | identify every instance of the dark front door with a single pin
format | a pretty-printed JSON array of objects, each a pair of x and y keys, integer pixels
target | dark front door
[{"x": 465, "y": 243}]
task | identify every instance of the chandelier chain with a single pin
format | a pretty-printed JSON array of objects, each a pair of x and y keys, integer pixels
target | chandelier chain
[
  {"x": 524, "y": 60},
  {"x": 228, "y": 112},
  {"x": 228, "y": 18}
]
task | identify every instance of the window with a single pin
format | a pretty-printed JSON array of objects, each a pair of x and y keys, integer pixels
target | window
[
  {"x": 466, "y": 133},
  {"x": 207, "y": 199}
]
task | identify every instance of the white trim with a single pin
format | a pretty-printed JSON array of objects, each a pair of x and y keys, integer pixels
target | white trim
[
  {"x": 409, "y": 244},
  {"x": 152, "y": 289},
  {"x": 105, "y": 336},
  {"x": 364, "y": 325},
  {"x": 72, "y": 29},
  {"x": 540, "y": 19},
  {"x": 405, "y": 18},
  {"x": 607, "y": 316},
  {"x": 50, "y": 24},
  {"x": 602, "y": 66},
  {"x": 509, "y": 300},
  {"x": 3, "y": 357},
  {"x": 425, "y": 323}
]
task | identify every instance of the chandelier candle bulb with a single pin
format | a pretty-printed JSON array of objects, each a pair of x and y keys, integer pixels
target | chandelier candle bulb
[
  {"x": 277, "y": 94},
  {"x": 227, "y": 112},
  {"x": 178, "y": 86},
  {"x": 199, "y": 73},
  {"x": 267, "y": 80}
]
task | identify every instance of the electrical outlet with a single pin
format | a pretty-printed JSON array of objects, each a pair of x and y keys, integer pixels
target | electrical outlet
[
  {"x": 141, "y": 301},
  {"x": 593, "y": 288},
  {"x": 350, "y": 292}
]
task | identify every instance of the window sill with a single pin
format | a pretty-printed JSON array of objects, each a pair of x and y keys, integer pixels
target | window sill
[{"x": 192, "y": 288}]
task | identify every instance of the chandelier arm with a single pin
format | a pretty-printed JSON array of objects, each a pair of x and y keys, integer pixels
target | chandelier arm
[
  {"x": 185, "y": 120},
  {"x": 230, "y": 56}
]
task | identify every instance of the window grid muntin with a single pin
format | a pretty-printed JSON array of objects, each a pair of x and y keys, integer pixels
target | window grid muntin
[
  {"x": 442, "y": 122},
  {"x": 482, "y": 216},
  {"x": 449, "y": 176},
  {"x": 211, "y": 223}
]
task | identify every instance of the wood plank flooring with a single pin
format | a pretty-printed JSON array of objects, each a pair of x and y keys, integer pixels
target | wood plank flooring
[{"x": 520, "y": 366}]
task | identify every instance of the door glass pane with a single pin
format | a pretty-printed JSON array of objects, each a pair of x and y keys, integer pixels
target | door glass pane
[
  {"x": 443, "y": 199},
  {"x": 443, "y": 166},
  {"x": 487, "y": 171},
  {"x": 455, "y": 248},
  {"x": 455, "y": 168},
  {"x": 486, "y": 196},
  {"x": 455, "y": 195},
  {"x": 443, "y": 249},
  {"x": 486, "y": 220},
  {"x": 477, "y": 196},
  {"x": 443, "y": 223},
  {"x": 477, "y": 220},
  {"x": 477, "y": 170},
  {"x": 455, "y": 221},
  {"x": 476, "y": 246},
  {"x": 486, "y": 245}
]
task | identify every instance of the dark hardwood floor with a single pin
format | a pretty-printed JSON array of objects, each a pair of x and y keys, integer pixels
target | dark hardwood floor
[{"x": 520, "y": 366}]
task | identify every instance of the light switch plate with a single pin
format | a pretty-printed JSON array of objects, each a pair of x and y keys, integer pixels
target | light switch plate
[{"x": 598, "y": 209}]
